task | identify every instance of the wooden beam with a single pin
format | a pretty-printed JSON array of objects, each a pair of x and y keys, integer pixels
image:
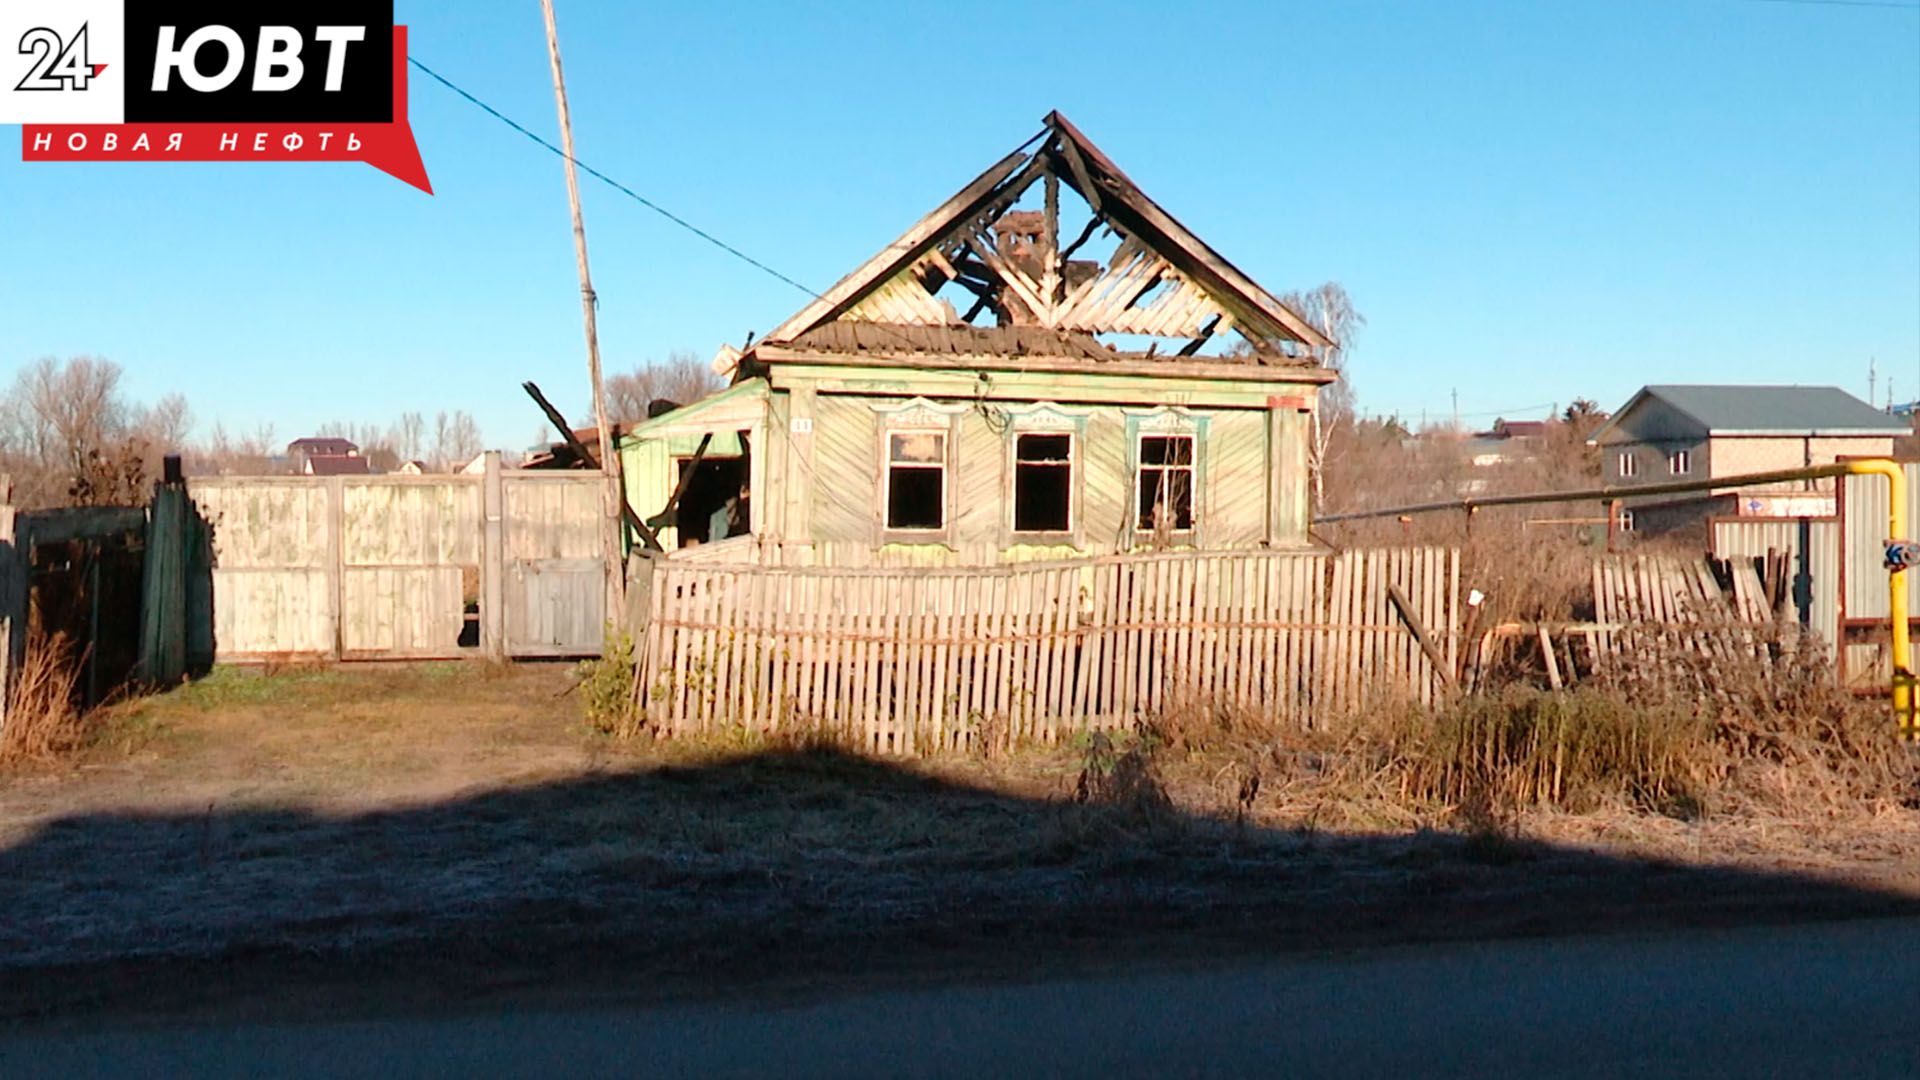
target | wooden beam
[
  {"x": 903, "y": 251},
  {"x": 1206, "y": 335},
  {"x": 1188, "y": 252},
  {"x": 1086, "y": 234},
  {"x": 78, "y": 523},
  {"x": 1404, "y": 608},
  {"x": 1200, "y": 369},
  {"x": 580, "y": 450},
  {"x": 668, "y": 513},
  {"x": 1081, "y": 182}
]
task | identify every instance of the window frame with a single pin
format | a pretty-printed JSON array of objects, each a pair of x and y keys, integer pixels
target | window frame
[
  {"x": 1167, "y": 420},
  {"x": 1679, "y": 462},
  {"x": 1072, "y": 467},
  {"x": 942, "y": 466},
  {"x": 916, "y": 416},
  {"x": 1191, "y": 468},
  {"x": 1045, "y": 418},
  {"x": 1627, "y": 465}
]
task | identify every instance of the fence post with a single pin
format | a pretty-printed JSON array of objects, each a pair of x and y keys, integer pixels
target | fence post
[
  {"x": 337, "y": 562},
  {"x": 163, "y": 592},
  {"x": 493, "y": 566},
  {"x": 13, "y": 597},
  {"x": 639, "y": 596}
]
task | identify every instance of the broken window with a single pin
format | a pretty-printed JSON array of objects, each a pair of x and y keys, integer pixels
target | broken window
[
  {"x": 1042, "y": 483},
  {"x": 917, "y": 480},
  {"x": 1166, "y": 482}
]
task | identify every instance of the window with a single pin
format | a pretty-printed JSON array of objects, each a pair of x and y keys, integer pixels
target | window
[
  {"x": 1627, "y": 464},
  {"x": 1626, "y": 521},
  {"x": 1043, "y": 482},
  {"x": 1166, "y": 482},
  {"x": 1680, "y": 462},
  {"x": 917, "y": 480}
]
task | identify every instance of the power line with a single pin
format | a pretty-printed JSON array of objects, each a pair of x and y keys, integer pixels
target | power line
[
  {"x": 1843, "y": 3},
  {"x": 612, "y": 183}
]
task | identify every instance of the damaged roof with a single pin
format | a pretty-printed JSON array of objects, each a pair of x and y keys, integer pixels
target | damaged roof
[{"x": 1160, "y": 281}]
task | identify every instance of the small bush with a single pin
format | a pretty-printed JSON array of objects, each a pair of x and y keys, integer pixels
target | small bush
[
  {"x": 606, "y": 688},
  {"x": 1124, "y": 775}
]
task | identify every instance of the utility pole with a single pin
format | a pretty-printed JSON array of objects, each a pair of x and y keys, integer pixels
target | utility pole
[
  {"x": 610, "y": 496},
  {"x": 1456, "y": 408}
]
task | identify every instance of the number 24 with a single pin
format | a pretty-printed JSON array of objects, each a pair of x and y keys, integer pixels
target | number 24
[{"x": 56, "y": 66}]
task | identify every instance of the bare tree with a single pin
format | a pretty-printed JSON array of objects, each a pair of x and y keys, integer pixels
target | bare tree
[
  {"x": 682, "y": 378},
  {"x": 456, "y": 439},
  {"x": 166, "y": 423},
  {"x": 69, "y": 437},
  {"x": 408, "y": 433},
  {"x": 225, "y": 454},
  {"x": 1330, "y": 310}
]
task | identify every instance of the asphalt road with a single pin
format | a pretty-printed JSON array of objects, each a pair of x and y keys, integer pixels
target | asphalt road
[{"x": 1822, "y": 1000}]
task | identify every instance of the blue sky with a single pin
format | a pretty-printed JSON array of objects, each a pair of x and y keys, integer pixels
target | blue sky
[{"x": 1530, "y": 201}]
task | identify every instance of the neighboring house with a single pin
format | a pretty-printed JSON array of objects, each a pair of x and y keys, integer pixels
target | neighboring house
[
  {"x": 975, "y": 393},
  {"x": 1678, "y": 432},
  {"x": 415, "y": 467},
  {"x": 336, "y": 465},
  {"x": 1509, "y": 442},
  {"x": 300, "y": 450}
]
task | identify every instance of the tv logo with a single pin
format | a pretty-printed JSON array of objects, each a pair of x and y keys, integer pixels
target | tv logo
[
  {"x": 277, "y": 66},
  {"x": 212, "y": 80},
  {"x": 62, "y": 63},
  {"x": 57, "y": 65},
  {"x": 212, "y": 62}
]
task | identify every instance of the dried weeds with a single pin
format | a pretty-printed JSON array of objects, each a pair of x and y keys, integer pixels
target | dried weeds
[{"x": 42, "y": 722}]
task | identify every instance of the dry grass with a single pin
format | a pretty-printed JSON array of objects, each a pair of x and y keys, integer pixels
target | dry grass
[
  {"x": 42, "y": 723},
  {"x": 1686, "y": 733}
]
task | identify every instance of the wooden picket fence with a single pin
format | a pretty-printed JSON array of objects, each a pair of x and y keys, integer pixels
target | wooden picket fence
[{"x": 903, "y": 661}]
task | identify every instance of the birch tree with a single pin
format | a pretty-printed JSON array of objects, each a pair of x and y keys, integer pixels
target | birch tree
[{"x": 1331, "y": 311}]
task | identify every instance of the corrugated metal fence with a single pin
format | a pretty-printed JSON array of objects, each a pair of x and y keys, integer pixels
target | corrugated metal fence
[
  {"x": 1813, "y": 555},
  {"x": 907, "y": 660},
  {"x": 1840, "y": 584},
  {"x": 1862, "y": 576}
]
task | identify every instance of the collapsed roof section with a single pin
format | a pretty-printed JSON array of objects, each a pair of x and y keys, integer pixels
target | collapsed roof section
[{"x": 1108, "y": 275}]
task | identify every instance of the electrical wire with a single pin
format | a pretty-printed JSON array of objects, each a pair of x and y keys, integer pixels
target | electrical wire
[
  {"x": 1843, "y": 3},
  {"x": 612, "y": 183},
  {"x": 649, "y": 203}
]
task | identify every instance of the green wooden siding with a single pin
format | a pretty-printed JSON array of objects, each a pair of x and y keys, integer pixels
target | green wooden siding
[{"x": 822, "y": 469}]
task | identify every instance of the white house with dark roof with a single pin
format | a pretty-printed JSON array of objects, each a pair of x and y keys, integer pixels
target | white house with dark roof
[{"x": 1679, "y": 432}]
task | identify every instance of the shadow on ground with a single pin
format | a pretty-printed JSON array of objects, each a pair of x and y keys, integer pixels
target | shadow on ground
[{"x": 761, "y": 870}]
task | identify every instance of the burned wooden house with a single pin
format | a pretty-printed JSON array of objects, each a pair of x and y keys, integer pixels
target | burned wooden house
[{"x": 1048, "y": 365}]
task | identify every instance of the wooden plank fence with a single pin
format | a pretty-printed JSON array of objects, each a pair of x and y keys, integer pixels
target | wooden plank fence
[
  {"x": 506, "y": 563},
  {"x": 1652, "y": 608},
  {"x": 912, "y": 660}
]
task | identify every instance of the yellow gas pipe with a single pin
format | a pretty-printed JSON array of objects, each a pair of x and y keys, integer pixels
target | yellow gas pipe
[{"x": 1903, "y": 680}]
